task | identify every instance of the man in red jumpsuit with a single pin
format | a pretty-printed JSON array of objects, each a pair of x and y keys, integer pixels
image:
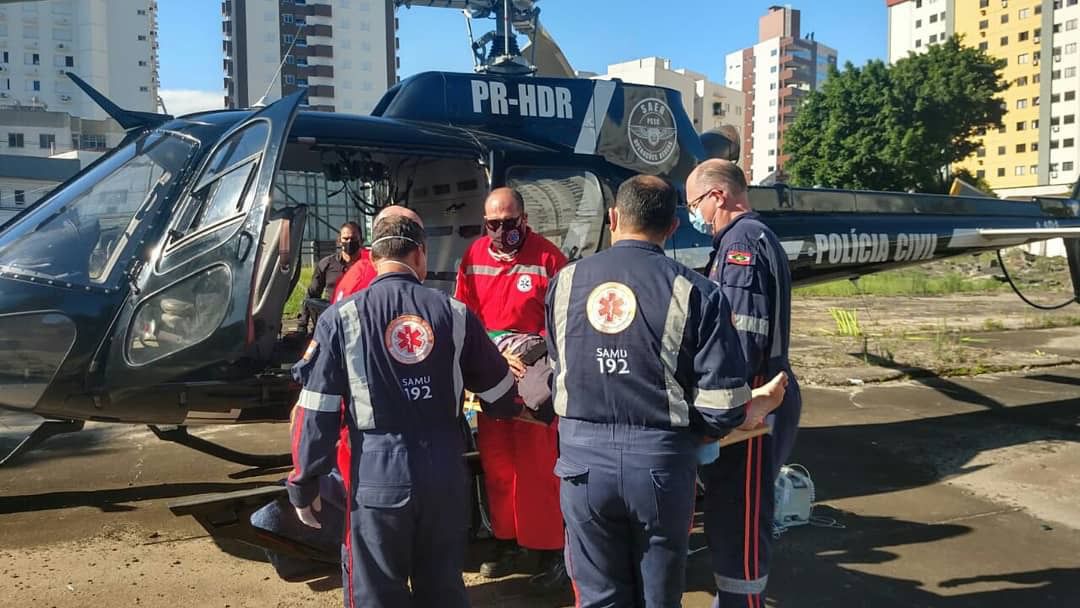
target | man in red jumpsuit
[{"x": 503, "y": 279}]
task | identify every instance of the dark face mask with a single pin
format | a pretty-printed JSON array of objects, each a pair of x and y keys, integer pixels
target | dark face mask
[
  {"x": 351, "y": 246},
  {"x": 507, "y": 236}
]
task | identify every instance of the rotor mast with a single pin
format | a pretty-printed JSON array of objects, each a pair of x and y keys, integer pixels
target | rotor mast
[{"x": 497, "y": 51}]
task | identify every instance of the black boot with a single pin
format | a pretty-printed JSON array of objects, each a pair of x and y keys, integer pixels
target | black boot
[
  {"x": 505, "y": 563},
  {"x": 553, "y": 578}
]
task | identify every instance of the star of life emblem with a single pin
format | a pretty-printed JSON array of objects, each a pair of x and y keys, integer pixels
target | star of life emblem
[
  {"x": 611, "y": 307},
  {"x": 409, "y": 339},
  {"x": 652, "y": 132},
  {"x": 525, "y": 283}
]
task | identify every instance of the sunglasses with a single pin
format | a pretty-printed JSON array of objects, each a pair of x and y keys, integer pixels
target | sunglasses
[{"x": 507, "y": 224}]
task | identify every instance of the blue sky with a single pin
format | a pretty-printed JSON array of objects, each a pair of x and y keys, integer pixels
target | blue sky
[{"x": 695, "y": 34}]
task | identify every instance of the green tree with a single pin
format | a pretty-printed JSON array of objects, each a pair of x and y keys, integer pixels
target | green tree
[{"x": 898, "y": 127}]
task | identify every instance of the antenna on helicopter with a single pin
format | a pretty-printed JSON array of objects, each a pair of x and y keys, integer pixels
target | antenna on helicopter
[{"x": 262, "y": 103}]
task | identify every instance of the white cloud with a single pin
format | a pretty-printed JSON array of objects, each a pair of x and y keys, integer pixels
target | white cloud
[{"x": 186, "y": 101}]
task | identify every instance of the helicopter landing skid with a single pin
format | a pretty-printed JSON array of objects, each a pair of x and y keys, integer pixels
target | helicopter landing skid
[
  {"x": 180, "y": 435},
  {"x": 49, "y": 428}
]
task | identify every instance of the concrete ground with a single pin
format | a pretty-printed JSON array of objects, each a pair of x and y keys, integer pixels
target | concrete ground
[{"x": 952, "y": 493}]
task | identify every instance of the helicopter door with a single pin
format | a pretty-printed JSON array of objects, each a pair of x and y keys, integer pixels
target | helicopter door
[
  {"x": 566, "y": 199},
  {"x": 192, "y": 317}
]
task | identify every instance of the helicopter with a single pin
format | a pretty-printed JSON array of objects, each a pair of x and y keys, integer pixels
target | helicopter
[{"x": 150, "y": 287}]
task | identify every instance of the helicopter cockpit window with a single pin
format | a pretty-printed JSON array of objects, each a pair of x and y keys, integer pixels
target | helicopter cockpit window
[
  {"x": 218, "y": 197},
  {"x": 565, "y": 205},
  {"x": 184, "y": 314},
  {"x": 84, "y": 232}
]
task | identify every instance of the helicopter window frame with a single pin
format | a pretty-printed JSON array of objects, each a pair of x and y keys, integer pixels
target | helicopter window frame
[
  {"x": 208, "y": 329},
  {"x": 597, "y": 226},
  {"x": 208, "y": 175},
  {"x": 143, "y": 215}
]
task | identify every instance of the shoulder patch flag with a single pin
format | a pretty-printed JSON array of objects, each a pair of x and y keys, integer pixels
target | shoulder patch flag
[
  {"x": 311, "y": 348},
  {"x": 742, "y": 258}
]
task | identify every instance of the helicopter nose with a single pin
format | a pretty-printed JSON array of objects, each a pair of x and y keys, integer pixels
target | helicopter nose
[{"x": 33, "y": 346}]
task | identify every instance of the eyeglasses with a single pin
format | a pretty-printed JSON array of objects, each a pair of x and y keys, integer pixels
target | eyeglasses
[
  {"x": 507, "y": 224},
  {"x": 696, "y": 201}
]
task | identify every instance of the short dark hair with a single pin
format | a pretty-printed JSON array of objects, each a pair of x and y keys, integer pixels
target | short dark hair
[
  {"x": 647, "y": 203},
  {"x": 355, "y": 227},
  {"x": 396, "y": 237}
]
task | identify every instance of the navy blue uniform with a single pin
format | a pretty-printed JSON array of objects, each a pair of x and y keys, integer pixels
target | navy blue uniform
[
  {"x": 646, "y": 362},
  {"x": 751, "y": 268},
  {"x": 399, "y": 355}
]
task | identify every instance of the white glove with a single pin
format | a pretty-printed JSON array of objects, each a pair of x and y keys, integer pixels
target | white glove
[{"x": 307, "y": 514}]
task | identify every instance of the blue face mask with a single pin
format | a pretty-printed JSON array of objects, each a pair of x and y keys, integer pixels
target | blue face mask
[{"x": 698, "y": 222}]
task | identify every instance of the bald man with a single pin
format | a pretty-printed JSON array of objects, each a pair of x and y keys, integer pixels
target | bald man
[
  {"x": 503, "y": 278},
  {"x": 751, "y": 268},
  {"x": 363, "y": 272}
]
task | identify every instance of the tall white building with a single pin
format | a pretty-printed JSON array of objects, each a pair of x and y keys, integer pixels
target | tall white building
[
  {"x": 49, "y": 128},
  {"x": 708, "y": 104},
  {"x": 775, "y": 74},
  {"x": 914, "y": 25},
  {"x": 112, "y": 44},
  {"x": 343, "y": 51}
]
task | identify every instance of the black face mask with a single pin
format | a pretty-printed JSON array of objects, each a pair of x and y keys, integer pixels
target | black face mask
[
  {"x": 507, "y": 236},
  {"x": 351, "y": 246}
]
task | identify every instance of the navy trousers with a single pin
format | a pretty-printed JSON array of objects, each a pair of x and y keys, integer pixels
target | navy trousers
[
  {"x": 627, "y": 497},
  {"x": 408, "y": 522},
  {"x": 739, "y": 510}
]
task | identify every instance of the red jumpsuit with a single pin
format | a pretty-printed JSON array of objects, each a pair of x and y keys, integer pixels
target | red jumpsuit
[{"x": 518, "y": 457}]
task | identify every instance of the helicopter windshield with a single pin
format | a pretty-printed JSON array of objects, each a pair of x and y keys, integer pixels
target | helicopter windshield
[{"x": 84, "y": 231}]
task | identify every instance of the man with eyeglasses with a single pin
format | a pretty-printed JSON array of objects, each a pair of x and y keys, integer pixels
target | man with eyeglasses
[
  {"x": 751, "y": 267},
  {"x": 503, "y": 278}
]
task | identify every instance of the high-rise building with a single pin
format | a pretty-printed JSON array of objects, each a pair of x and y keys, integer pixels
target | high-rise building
[
  {"x": 775, "y": 74},
  {"x": 708, "y": 104},
  {"x": 112, "y": 44},
  {"x": 48, "y": 126},
  {"x": 1036, "y": 151},
  {"x": 914, "y": 25},
  {"x": 343, "y": 53}
]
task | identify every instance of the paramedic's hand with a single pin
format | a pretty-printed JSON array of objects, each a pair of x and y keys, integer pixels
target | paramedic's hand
[
  {"x": 516, "y": 365},
  {"x": 764, "y": 400},
  {"x": 307, "y": 514}
]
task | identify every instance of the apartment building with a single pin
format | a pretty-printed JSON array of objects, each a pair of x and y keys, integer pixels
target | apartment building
[
  {"x": 111, "y": 44},
  {"x": 344, "y": 52},
  {"x": 775, "y": 74},
  {"x": 1036, "y": 151},
  {"x": 708, "y": 104},
  {"x": 914, "y": 25},
  {"x": 48, "y": 125}
]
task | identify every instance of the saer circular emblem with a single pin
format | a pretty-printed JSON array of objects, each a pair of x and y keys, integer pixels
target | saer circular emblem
[
  {"x": 409, "y": 339},
  {"x": 611, "y": 307},
  {"x": 524, "y": 283},
  {"x": 652, "y": 132}
]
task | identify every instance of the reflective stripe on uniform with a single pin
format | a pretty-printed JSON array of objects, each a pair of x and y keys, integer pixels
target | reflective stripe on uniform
[
  {"x": 755, "y": 325},
  {"x": 459, "y": 324},
  {"x": 722, "y": 398},
  {"x": 494, "y": 393},
  {"x": 494, "y": 271},
  {"x": 318, "y": 402},
  {"x": 741, "y": 586},
  {"x": 561, "y": 311},
  {"x": 670, "y": 345},
  {"x": 354, "y": 364}
]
